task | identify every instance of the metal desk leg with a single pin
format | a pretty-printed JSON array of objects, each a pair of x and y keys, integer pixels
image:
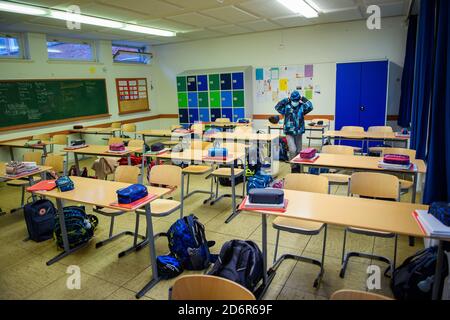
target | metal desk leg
[
  {"x": 234, "y": 213},
  {"x": 151, "y": 241},
  {"x": 44, "y": 154},
  {"x": 129, "y": 159},
  {"x": 62, "y": 223},
  {"x": 413, "y": 200},
  {"x": 77, "y": 163},
  {"x": 438, "y": 272},
  {"x": 141, "y": 177},
  {"x": 11, "y": 153}
]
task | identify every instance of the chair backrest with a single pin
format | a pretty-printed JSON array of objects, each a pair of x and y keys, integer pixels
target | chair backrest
[
  {"x": 380, "y": 129},
  {"x": 55, "y": 161},
  {"x": 352, "y": 129},
  {"x": 376, "y": 185},
  {"x": 129, "y": 127},
  {"x": 127, "y": 174},
  {"x": 33, "y": 157},
  {"x": 166, "y": 174},
  {"x": 205, "y": 287},
  {"x": 357, "y": 295},
  {"x": 222, "y": 120},
  {"x": 198, "y": 128},
  {"x": 136, "y": 143},
  {"x": 44, "y": 136},
  {"x": 200, "y": 145},
  {"x": 409, "y": 152},
  {"x": 116, "y": 125},
  {"x": 243, "y": 129},
  {"x": 338, "y": 149},
  {"x": 60, "y": 139},
  {"x": 175, "y": 126},
  {"x": 113, "y": 140},
  {"x": 306, "y": 182}
]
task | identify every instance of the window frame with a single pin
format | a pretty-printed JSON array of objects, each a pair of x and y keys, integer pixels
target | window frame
[
  {"x": 141, "y": 50},
  {"x": 23, "y": 50},
  {"x": 91, "y": 43}
]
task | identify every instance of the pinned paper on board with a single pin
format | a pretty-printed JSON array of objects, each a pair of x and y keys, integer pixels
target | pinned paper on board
[
  {"x": 309, "y": 94},
  {"x": 274, "y": 73},
  {"x": 259, "y": 74},
  {"x": 283, "y": 84},
  {"x": 309, "y": 70}
]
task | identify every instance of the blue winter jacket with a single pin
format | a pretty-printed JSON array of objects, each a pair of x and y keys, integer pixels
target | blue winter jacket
[{"x": 294, "y": 117}]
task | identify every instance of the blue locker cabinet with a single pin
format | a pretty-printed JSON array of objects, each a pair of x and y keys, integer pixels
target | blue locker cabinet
[
  {"x": 238, "y": 81},
  {"x": 226, "y": 99},
  {"x": 192, "y": 100},
  {"x": 184, "y": 115},
  {"x": 225, "y": 81},
  {"x": 204, "y": 115},
  {"x": 227, "y": 113},
  {"x": 215, "y": 114},
  {"x": 192, "y": 83},
  {"x": 193, "y": 115},
  {"x": 202, "y": 83},
  {"x": 238, "y": 113}
]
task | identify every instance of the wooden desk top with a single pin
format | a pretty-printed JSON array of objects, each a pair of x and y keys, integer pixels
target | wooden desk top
[
  {"x": 97, "y": 192},
  {"x": 95, "y": 130},
  {"x": 364, "y": 135},
  {"x": 356, "y": 162},
  {"x": 103, "y": 151},
  {"x": 161, "y": 133},
  {"x": 22, "y": 144},
  {"x": 281, "y": 126},
  {"x": 228, "y": 124},
  {"x": 378, "y": 215},
  {"x": 244, "y": 136},
  {"x": 26, "y": 175},
  {"x": 197, "y": 155}
]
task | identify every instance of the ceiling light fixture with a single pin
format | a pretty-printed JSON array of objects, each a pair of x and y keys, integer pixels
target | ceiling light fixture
[
  {"x": 81, "y": 18},
  {"x": 300, "y": 7}
]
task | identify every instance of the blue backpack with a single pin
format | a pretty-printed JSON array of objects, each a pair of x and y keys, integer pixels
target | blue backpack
[
  {"x": 187, "y": 243},
  {"x": 258, "y": 181}
]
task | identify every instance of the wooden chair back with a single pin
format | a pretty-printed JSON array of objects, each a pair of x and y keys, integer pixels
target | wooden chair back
[
  {"x": 338, "y": 149},
  {"x": 306, "y": 182},
  {"x": 376, "y": 185},
  {"x": 127, "y": 174},
  {"x": 167, "y": 175}
]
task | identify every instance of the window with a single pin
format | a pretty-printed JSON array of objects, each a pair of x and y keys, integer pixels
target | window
[
  {"x": 131, "y": 54},
  {"x": 10, "y": 46},
  {"x": 70, "y": 50}
]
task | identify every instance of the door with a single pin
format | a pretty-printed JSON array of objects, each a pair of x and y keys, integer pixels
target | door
[
  {"x": 226, "y": 99},
  {"x": 202, "y": 83},
  {"x": 203, "y": 100},
  {"x": 182, "y": 100},
  {"x": 214, "y": 99},
  {"x": 348, "y": 93},
  {"x": 227, "y": 113},
  {"x": 225, "y": 81},
  {"x": 204, "y": 115},
  {"x": 215, "y": 114},
  {"x": 214, "y": 82},
  {"x": 193, "y": 115},
  {"x": 181, "y": 84},
  {"x": 192, "y": 100},
  {"x": 184, "y": 116},
  {"x": 238, "y": 99},
  {"x": 238, "y": 113},
  {"x": 192, "y": 83},
  {"x": 238, "y": 81}
]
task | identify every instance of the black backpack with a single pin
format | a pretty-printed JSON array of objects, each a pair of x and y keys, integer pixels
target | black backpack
[
  {"x": 40, "y": 219},
  {"x": 413, "y": 279},
  {"x": 240, "y": 261}
]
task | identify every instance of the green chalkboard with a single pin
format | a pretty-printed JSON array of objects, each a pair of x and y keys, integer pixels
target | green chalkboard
[{"x": 29, "y": 103}]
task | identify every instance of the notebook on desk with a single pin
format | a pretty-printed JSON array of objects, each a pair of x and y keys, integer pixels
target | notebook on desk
[{"x": 430, "y": 225}]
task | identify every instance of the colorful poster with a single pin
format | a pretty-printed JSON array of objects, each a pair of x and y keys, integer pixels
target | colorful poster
[
  {"x": 309, "y": 94},
  {"x": 284, "y": 85},
  {"x": 309, "y": 70},
  {"x": 259, "y": 74},
  {"x": 274, "y": 73}
]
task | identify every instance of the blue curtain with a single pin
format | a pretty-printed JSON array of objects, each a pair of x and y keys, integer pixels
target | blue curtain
[
  {"x": 423, "y": 77},
  {"x": 404, "y": 119},
  {"x": 437, "y": 184}
]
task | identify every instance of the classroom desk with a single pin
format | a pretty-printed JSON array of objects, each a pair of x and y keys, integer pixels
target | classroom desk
[
  {"x": 384, "y": 216},
  {"x": 227, "y": 125},
  {"x": 314, "y": 128},
  {"x": 161, "y": 134},
  {"x": 196, "y": 156},
  {"x": 102, "y": 151},
  {"x": 102, "y": 193},
  {"x": 97, "y": 131},
  {"x": 366, "y": 136},
  {"x": 361, "y": 163},
  {"x": 28, "y": 176},
  {"x": 22, "y": 143}
]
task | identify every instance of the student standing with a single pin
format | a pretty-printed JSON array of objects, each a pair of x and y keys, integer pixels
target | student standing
[{"x": 294, "y": 110}]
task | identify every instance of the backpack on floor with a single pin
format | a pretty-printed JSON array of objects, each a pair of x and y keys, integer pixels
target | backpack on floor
[
  {"x": 240, "y": 261},
  {"x": 258, "y": 181},
  {"x": 80, "y": 226},
  {"x": 187, "y": 243},
  {"x": 284, "y": 150},
  {"x": 40, "y": 219},
  {"x": 414, "y": 278}
]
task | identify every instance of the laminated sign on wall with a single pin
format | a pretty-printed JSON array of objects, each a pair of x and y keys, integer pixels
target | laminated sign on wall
[
  {"x": 276, "y": 83},
  {"x": 132, "y": 94}
]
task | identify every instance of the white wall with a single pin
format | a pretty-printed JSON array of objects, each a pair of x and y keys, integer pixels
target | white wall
[{"x": 320, "y": 44}]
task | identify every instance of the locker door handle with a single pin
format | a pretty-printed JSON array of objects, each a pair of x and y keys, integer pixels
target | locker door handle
[{"x": 362, "y": 108}]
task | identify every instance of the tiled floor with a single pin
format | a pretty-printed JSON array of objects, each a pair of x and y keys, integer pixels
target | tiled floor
[{"x": 24, "y": 274}]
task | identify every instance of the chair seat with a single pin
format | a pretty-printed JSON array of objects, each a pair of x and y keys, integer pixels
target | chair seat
[
  {"x": 297, "y": 225},
  {"x": 369, "y": 232},
  {"x": 162, "y": 206},
  {"x": 20, "y": 183},
  {"x": 226, "y": 172},
  {"x": 406, "y": 184},
  {"x": 197, "y": 169},
  {"x": 170, "y": 143},
  {"x": 336, "y": 177}
]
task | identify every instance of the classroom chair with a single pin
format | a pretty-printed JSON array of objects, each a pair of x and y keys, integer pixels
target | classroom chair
[
  {"x": 168, "y": 176},
  {"x": 59, "y": 140},
  {"x": 114, "y": 140},
  {"x": 307, "y": 183},
  {"x": 225, "y": 172},
  {"x": 353, "y": 129},
  {"x": 357, "y": 295},
  {"x": 405, "y": 185},
  {"x": 198, "y": 170},
  {"x": 377, "y": 186},
  {"x": 42, "y": 137},
  {"x": 340, "y": 177},
  {"x": 175, "y": 126},
  {"x": 129, "y": 128},
  {"x": 222, "y": 120},
  {"x": 24, "y": 183},
  {"x": 116, "y": 125},
  {"x": 243, "y": 130},
  {"x": 206, "y": 287},
  {"x": 385, "y": 129},
  {"x": 57, "y": 162},
  {"x": 125, "y": 174}
]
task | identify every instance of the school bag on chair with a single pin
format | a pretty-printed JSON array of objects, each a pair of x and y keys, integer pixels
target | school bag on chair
[
  {"x": 40, "y": 219},
  {"x": 187, "y": 243},
  {"x": 80, "y": 226},
  {"x": 240, "y": 261}
]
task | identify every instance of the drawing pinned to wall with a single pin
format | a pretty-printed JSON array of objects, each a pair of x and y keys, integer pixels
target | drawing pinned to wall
[
  {"x": 259, "y": 74},
  {"x": 283, "y": 84},
  {"x": 309, "y": 71},
  {"x": 274, "y": 73}
]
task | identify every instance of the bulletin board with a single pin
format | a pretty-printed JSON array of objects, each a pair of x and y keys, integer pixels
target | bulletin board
[{"x": 132, "y": 95}]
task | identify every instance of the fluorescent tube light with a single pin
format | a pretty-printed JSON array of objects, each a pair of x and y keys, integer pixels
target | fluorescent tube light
[
  {"x": 19, "y": 8},
  {"x": 301, "y": 7},
  {"x": 68, "y": 16},
  {"x": 147, "y": 30}
]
